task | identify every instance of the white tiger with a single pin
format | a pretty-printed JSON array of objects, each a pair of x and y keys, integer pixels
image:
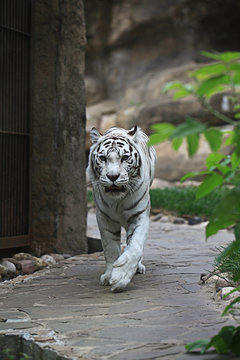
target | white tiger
[{"x": 121, "y": 169}]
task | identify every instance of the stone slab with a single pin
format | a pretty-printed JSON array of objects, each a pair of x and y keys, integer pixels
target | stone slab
[{"x": 154, "y": 318}]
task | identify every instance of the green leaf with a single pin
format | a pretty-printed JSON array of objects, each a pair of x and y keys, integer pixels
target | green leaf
[
  {"x": 182, "y": 89},
  {"x": 211, "y": 55},
  {"x": 176, "y": 143},
  {"x": 214, "y": 138},
  {"x": 236, "y": 342},
  {"x": 224, "y": 169},
  {"x": 193, "y": 174},
  {"x": 213, "y": 159},
  {"x": 235, "y": 160},
  {"x": 164, "y": 130},
  {"x": 230, "y": 306},
  {"x": 191, "y": 126},
  {"x": 172, "y": 85},
  {"x": 222, "y": 342},
  {"x": 237, "y": 116},
  {"x": 230, "y": 139},
  {"x": 209, "y": 184},
  {"x": 208, "y": 71},
  {"x": 155, "y": 139},
  {"x": 198, "y": 344},
  {"x": 231, "y": 292},
  {"x": 225, "y": 341},
  {"x": 216, "y": 224},
  {"x": 226, "y": 213},
  {"x": 181, "y": 94},
  {"x": 163, "y": 127},
  {"x": 236, "y": 78},
  {"x": 213, "y": 85},
  {"x": 193, "y": 143},
  {"x": 235, "y": 67},
  {"x": 229, "y": 56}
]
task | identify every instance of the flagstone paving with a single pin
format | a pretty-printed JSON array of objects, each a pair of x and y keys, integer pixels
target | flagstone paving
[{"x": 64, "y": 308}]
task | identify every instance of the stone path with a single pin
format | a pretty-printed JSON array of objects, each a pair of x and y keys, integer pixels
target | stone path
[{"x": 65, "y": 309}]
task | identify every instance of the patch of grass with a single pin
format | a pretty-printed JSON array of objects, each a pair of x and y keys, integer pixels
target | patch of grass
[
  {"x": 90, "y": 196},
  {"x": 182, "y": 201},
  {"x": 229, "y": 263}
]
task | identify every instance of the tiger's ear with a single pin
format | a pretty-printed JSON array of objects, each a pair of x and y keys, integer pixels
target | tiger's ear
[
  {"x": 135, "y": 132},
  {"x": 94, "y": 135},
  {"x": 138, "y": 136}
]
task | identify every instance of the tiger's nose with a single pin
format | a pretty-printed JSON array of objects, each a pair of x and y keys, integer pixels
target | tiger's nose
[{"x": 113, "y": 177}]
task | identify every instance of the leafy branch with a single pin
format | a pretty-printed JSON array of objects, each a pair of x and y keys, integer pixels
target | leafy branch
[
  {"x": 224, "y": 75},
  {"x": 221, "y": 170}
]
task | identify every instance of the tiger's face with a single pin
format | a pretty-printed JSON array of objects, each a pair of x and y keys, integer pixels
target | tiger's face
[{"x": 115, "y": 162}]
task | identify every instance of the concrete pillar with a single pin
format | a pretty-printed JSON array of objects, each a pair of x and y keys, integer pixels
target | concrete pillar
[{"x": 58, "y": 126}]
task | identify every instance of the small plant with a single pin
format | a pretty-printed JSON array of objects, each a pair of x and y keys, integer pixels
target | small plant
[{"x": 221, "y": 76}]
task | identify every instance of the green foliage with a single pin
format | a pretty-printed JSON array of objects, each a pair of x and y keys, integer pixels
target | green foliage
[
  {"x": 227, "y": 213},
  {"x": 198, "y": 344},
  {"x": 214, "y": 138},
  {"x": 227, "y": 340},
  {"x": 182, "y": 201},
  {"x": 163, "y": 132},
  {"x": 222, "y": 75},
  {"x": 228, "y": 261},
  {"x": 209, "y": 184}
]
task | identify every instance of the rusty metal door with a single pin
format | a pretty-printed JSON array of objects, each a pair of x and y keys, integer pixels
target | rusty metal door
[{"x": 15, "y": 40}]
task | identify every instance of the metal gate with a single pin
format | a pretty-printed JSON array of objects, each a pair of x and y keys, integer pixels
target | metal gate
[{"x": 15, "y": 25}]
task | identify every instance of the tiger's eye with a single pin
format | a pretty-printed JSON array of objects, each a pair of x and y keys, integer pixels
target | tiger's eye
[
  {"x": 125, "y": 157},
  {"x": 102, "y": 158}
]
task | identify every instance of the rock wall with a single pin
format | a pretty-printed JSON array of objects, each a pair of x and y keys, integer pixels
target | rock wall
[
  {"x": 136, "y": 46},
  {"x": 131, "y": 42},
  {"x": 58, "y": 166}
]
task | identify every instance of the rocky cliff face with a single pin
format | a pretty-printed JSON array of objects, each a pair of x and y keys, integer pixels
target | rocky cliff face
[{"x": 135, "y": 46}]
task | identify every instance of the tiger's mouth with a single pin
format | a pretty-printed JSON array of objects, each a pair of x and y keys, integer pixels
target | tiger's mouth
[{"x": 115, "y": 189}]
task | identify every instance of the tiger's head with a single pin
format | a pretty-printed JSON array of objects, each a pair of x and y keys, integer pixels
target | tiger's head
[{"x": 115, "y": 160}]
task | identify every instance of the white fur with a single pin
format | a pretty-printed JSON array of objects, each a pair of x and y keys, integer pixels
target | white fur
[{"x": 129, "y": 207}]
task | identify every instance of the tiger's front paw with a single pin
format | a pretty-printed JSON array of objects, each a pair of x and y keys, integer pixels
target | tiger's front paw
[
  {"x": 141, "y": 269},
  {"x": 123, "y": 270}
]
